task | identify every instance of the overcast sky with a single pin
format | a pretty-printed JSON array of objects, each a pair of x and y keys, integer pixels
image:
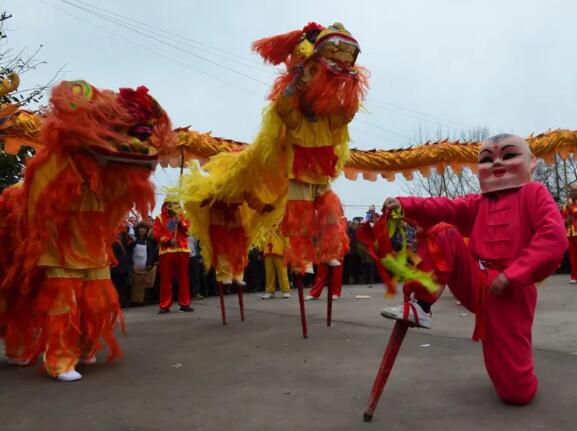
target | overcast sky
[{"x": 509, "y": 65}]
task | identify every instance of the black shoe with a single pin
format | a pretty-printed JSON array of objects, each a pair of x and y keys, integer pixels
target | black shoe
[
  {"x": 186, "y": 309},
  {"x": 164, "y": 311}
]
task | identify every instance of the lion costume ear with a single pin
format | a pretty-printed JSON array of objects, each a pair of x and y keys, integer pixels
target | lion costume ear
[
  {"x": 277, "y": 49},
  {"x": 71, "y": 95}
]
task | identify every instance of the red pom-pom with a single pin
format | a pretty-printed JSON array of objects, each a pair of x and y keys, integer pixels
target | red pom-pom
[{"x": 138, "y": 103}]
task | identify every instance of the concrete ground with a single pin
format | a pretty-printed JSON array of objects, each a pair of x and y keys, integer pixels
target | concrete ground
[{"x": 185, "y": 371}]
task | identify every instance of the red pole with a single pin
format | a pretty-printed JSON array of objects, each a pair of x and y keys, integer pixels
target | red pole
[
  {"x": 222, "y": 309},
  {"x": 240, "y": 302},
  {"x": 397, "y": 337},
  {"x": 329, "y": 280},
  {"x": 299, "y": 280}
]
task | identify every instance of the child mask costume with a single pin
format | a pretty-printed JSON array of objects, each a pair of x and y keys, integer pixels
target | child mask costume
[{"x": 517, "y": 239}]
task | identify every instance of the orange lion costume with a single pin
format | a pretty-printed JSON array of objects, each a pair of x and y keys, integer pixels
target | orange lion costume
[{"x": 97, "y": 150}]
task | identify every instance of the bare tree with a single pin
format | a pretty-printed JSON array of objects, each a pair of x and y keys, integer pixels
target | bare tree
[
  {"x": 19, "y": 62},
  {"x": 447, "y": 183}
]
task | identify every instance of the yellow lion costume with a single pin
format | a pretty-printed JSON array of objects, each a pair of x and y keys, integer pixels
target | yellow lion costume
[
  {"x": 97, "y": 150},
  {"x": 301, "y": 147}
]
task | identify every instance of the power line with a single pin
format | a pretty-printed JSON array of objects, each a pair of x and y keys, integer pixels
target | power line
[
  {"x": 150, "y": 29},
  {"x": 123, "y": 25},
  {"x": 119, "y": 23},
  {"x": 419, "y": 113},
  {"x": 170, "y": 32},
  {"x": 151, "y": 50},
  {"x": 392, "y": 106}
]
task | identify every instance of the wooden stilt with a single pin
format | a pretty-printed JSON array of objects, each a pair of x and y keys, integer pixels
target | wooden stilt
[
  {"x": 240, "y": 302},
  {"x": 221, "y": 296},
  {"x": 299, "y": 282},
  {"x": 330, "y": 295},
  {"x": 395, "y": 341}
]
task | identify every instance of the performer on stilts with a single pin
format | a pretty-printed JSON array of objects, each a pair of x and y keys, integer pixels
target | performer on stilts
[
  {"x": 517, "y": 238},
  {"x": 315, "y": 98}
]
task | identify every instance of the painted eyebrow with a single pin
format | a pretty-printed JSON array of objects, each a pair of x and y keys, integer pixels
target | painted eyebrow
[
  {"x": 509, "y": 146},
  {"x": 486, "y": 149}
]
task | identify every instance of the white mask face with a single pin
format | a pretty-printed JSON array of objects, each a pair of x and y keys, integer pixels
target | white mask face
[{"x": 504, "y": 165}]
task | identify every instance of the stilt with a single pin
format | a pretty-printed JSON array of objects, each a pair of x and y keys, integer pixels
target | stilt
[
  {"x": 397, "y": 337},
  {"x": 221, "y": 296},
  {"x": 330, "y": 296},
  {"x": 299, "y": 281},
  {"x": 240, "y": 302}
]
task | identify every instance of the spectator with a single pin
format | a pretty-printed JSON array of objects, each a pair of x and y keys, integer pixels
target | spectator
[
  {"x": 371, "y": 214},
  {"x": 194, "y": 268},
  {"x": 144, "y": 258},
  {"x": 120, "y": 272}
]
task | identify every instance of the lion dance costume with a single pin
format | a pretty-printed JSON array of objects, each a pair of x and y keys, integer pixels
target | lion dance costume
[
  {"x": 286, "y": 172},
  {"x": 97, "y": 152}
]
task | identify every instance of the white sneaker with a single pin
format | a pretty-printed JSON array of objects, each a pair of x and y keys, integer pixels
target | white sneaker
[
  {"x": 309, "y": 269},
  {"x": 333, "y": 263},
  {"x": 88, "y": 361},
  {"x": 310, "y": 298},
  {"x": 335, "y": 297},
  {"x": 268, "y": 296},
  {"x": 572, "y": 281},
  {"x": 286, "y": 295},
  {"x": 16, "y": 362},
  {"x": 69, "y": 376},
  {"x": 415, "y": 314}
]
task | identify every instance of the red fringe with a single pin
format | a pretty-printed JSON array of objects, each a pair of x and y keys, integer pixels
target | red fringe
[
  {"x": 277, "y": 49},
  {"x": 299, "y": 226},
  {"x": 299, "y": 252},
  {"x": 328, "y": 93},
  {"x": 314, "y": 161},
  {"x": 230, "y": 242},
  {"x": 376, "y": 241},
  {"x": 334, "y": 240},
  {"x": 75, "y": 317},
  {"x": 299, "y": 219}
]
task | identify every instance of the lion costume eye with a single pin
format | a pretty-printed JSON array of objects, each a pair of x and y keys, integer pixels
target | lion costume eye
[{"x": 486, "y": 159}]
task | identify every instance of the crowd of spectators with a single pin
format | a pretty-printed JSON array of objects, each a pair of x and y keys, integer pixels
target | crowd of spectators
[{"x": 136, "y": 274}]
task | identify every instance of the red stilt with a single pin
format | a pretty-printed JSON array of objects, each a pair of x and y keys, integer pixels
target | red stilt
[
  {"x": 222, "y": 309},
  {"x": 397, "y": 337},
  {"x": 299, "y": 280},
  {"x": 330, "y": 296},
  {"x": 240, "y": 302}
]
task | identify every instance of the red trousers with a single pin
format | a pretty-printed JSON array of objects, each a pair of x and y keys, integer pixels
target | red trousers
[
  {"x": 169, "y": 264},
  {"x": 336, "y": 280},
  {"x": 507, "y": 345},
  {"x": 573, "y": 256}
]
